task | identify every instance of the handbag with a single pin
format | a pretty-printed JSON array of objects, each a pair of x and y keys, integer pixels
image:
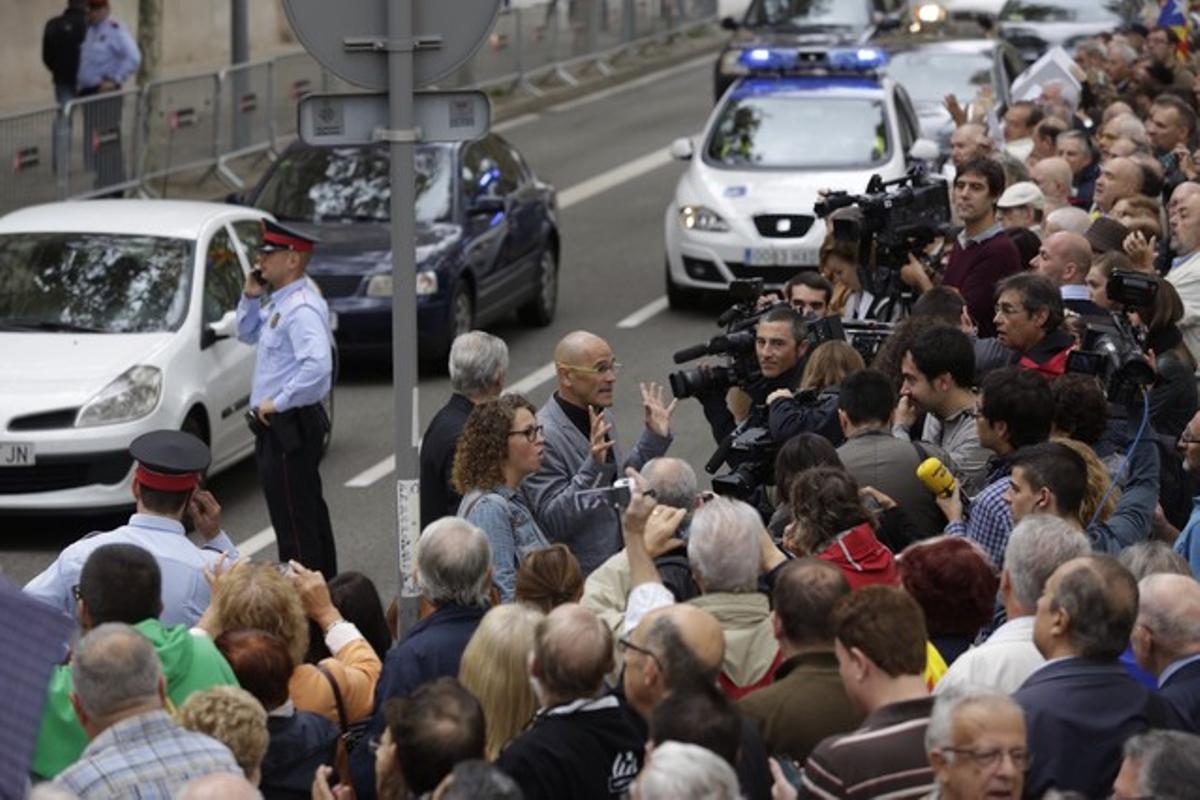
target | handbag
[{"x": 348, "y": 736}]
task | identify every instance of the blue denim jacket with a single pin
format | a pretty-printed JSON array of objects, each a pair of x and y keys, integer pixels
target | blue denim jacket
[{"x": 506, "y": 519}]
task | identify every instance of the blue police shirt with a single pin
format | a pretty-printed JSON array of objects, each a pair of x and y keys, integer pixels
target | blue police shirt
[
  {"x": 294, "y": 365},
  {"x": 185, "y": 592},
  {"x": 108, "y": 53}
]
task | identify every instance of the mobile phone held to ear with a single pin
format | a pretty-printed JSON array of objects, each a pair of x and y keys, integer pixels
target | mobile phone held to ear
[{"x": 258, "y": 277}]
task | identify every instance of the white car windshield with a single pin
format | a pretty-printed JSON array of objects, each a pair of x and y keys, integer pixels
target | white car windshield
[
  {"x": 808, "y": 14},
  {"x": 788, "y": 132},
  {"x": 352, "y": 184},
  {"x": 94, "y": 282},
  {"x": 929, "y": 75},
  {"x": 1061, "y": 11}
]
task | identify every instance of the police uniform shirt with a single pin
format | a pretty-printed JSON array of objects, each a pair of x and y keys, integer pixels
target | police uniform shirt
[
  {"x": 294, "y": 363},
  {"x": 108, "y": 53}
]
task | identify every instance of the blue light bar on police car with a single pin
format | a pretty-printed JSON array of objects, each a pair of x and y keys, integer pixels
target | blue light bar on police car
[{"x": 770, "y": 59}]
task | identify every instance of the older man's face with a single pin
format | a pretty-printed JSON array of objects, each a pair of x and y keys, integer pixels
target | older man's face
[
  {"x": 1165, "y": 129},
  {"x": 1159, "y": 46},
  {"x": 988, "y": 756},
  {"x": 1118, "y": 179},
  {"x": 1076, "y": 154},
  {"x": 1185, "y": 221},
  {"x": 1189, "y": 444},
  {"x": 966, "y": 144}
]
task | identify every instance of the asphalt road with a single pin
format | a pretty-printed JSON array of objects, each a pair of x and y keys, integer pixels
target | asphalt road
[{"x": 606, "y": 155}]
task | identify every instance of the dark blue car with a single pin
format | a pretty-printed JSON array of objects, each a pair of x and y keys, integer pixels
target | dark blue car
[{"x": 486, "y": 237}]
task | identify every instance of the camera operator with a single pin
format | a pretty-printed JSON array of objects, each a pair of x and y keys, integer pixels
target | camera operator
[
  {"x": 813, "y": 409},
  {"x": 1029, "y": 317},
  {"x": 809, "y": 293},
  {"x": 779, "y": 349},
  {"x": 1173, "y": 398}
]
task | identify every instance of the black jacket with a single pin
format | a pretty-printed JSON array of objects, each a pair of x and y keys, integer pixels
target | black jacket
[
  {"x": 61, "y": 40},
  {"x": 1182, "y": 689},
  {"x": 438, "y": 498},
  {"x": 807, "y": 412},
  {"x": 298, "y": 745},
  {"x": 588, "y": 750},
  {"x": 721, "y": 420}
]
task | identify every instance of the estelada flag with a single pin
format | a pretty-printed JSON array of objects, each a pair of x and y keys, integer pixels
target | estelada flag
[{"x": 1173, "y": 15}]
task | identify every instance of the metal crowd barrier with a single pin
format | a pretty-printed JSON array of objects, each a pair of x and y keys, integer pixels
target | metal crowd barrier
[{"x": 135, "y": 140}]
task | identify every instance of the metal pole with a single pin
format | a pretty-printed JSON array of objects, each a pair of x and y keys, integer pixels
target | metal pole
[
  {"x": 239, "y": 49},
  {"x": 404, "y": 300}
]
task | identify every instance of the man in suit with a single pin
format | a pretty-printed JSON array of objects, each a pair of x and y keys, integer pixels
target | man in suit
[
  {"x": 1081, "y": 705},
  {"x": 1166, "y": 640},
  {"x": 478, "y": 366},
  {"x": 581, "y": 450}
]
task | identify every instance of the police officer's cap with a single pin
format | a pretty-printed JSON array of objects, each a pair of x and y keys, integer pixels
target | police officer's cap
[
  {"x": 280, "y": 237},
  {"x": 170, "y": 461}
]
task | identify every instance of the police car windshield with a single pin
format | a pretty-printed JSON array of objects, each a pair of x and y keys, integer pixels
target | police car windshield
[
  {"x": 808, "y": 14},
  {"x": 1061, "y": 11},
  {"x": 929, "y": 75},
  {"x": 352, "y": 184},
  {"x": 94, "y": 282},
  {"x": 773, "y": 132}
]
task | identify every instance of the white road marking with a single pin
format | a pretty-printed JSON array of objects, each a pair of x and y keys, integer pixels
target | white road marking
[
  {"x": 258, "y": 542},
  {"x": 644, "y": 313},
  {"x": 601, "y": 183},
  {"x": 532, "y": 380},
  {"x": 645, "y": 80},
  {"x": 372, "y": 474},
  {"x": 515, "y": 122}
]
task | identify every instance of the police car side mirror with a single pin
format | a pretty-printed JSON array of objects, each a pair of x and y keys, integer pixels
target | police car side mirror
[
  {"x": 730, "y": 24},
  {"x": 682, "y": 150},
  {"x": 213, "y": 332},
  {"x": 923, "y": 150}
]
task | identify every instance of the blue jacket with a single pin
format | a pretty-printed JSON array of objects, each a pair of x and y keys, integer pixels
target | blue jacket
[
  {"x": 1182, "y": 688},
  {"x": 1078, "y": 713},
  {"x": 504, "y": 516},
  {"x": 1188, "y": 543},
  {"x": 299, "y": 744},
  {"x": 431, "y": 649}
]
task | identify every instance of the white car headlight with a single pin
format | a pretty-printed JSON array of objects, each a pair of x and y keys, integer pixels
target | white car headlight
[
  {"x": 381, "y": 285},
  {"x": 699, "y": 218},
  {"x": 731, "y": 63},
  {"x": 131, "y": 396}
]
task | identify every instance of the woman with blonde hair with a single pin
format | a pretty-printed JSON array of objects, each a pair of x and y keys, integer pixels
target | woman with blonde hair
[
  {"x": 260, "y": 596},
  {"x": 1098, "y": 483},
  {"x": 500, "y": 445},
  {"x": 813, "y": 409},
  {"x": 233, "y": 717},
  {"x": 494, "y": 668}
]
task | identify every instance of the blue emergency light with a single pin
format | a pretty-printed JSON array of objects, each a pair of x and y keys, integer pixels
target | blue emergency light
[{"x": 771, "y": 59}]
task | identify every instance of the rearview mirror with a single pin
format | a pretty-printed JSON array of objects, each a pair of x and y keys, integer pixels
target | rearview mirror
[
  {"x": 681, "y": 149},
  {"x": 730, "y": 24},
  {"x": 213, "y": 332}
]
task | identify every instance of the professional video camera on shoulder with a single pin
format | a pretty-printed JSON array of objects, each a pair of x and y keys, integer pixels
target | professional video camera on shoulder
[
  {"x": 895, "y": 219},
  {"x": 1113, "y": 349}
]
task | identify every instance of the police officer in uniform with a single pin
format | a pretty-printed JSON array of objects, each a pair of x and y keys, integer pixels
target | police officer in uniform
[
  {"x": 292, "y": 374},
  {"x": 108, "y": 59},
  {"x": 166, "y": 487}
]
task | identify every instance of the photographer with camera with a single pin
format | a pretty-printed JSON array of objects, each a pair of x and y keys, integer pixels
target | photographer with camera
[
  {"x": 1028, "y": 320},
  {"x": 814, "y": 407},
  {"x": 1173, "y": 398}
]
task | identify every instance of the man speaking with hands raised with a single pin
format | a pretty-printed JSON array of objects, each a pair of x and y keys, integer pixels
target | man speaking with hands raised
[{"x": 582, "y": 451}]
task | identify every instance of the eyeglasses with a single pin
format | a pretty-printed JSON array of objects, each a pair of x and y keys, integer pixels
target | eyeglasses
[
  {"x": 614, "y": 367},
  {"x": 531, "y": 434},
  {"x": 1185, "y": 440},
  {"x": 990, "y": 759},
  {"x": 625, "y": 644},
  {"x": 1008, "y": 310}
]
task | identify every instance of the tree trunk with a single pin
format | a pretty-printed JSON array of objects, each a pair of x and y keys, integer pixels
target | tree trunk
[{"x": 150, "y": 14}]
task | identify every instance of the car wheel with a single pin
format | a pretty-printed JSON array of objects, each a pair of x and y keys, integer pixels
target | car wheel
[
  {"x": 540, "y": 310},
  {"x": 194, "y": 424},
  {"x": 678, "y": 298}
]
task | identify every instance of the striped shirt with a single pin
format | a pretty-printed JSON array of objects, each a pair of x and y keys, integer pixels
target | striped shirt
[
  {"x": 145, "y": 756},
  {"x": 885, "y": 758}
]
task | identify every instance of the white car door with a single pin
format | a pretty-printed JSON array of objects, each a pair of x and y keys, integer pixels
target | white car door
[{"x": 227, "y": 363}]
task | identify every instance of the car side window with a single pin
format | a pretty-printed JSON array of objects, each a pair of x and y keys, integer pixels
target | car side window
[
  {"x": 222, "y": 277},
  {"x": 249, "y": 233},
  {"x": 909, "y": 129}
]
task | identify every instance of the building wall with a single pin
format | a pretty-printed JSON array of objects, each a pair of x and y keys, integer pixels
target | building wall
[{"x": 196, "y": 37}]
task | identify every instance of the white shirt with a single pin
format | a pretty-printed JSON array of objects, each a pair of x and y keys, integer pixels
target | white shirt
[
  {"x": 1002, "y": 663},
  {"x": 1185, "y": 277}
]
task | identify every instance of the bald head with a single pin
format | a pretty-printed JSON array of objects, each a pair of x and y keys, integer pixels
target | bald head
[
  {"x": 1088, "y": 609},
  {"x": 1169, "y": 605},
  {"x": 219, "y": 786},
  {"x": 1053, "y": 177},
  {"x": 697, "y": 630},
  {"x": 572, "y": 653},
  {"x": 585, "y": 370},
  {"x": 576, "y": 346},
  {"x": 673, "y": 481},
  {"x": 806, "y": 590},
  {"x": 1119, "y": 178},
  {"x": 1064, "y": 258},
  {"x": 969, "y": 141}
]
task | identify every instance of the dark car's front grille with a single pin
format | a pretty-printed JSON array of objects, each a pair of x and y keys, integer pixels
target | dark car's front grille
[
  {"x": 53, "y": 473},
  {"x": 770, "y": 275},
  {"x": 44, "y": 421},
  {"x": 783, "y": 226},
  {"x": 338, "y": 285}
]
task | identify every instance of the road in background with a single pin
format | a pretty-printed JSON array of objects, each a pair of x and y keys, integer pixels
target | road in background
[{"x": 607, "y": 156}]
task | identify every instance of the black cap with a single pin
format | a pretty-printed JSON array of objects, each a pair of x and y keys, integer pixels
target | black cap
[
  {"x": 281, "y": 237},
  {"x": 170, "y": 461}
]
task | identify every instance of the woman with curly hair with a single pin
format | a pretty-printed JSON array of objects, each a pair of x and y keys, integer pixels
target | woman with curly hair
[
  {"x": 500, "y": 445},
  {"x": 955, "y": 584}
]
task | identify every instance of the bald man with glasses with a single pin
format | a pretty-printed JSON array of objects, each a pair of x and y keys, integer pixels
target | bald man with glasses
[{"x": 582, "y": 451}]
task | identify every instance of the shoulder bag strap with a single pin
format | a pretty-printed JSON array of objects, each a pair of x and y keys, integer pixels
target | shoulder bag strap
[{"x": 343, "y": 720}]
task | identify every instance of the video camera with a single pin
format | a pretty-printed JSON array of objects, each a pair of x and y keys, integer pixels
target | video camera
[
  {"x": 1112, "y": 349},
  {"x": 897, "y": 218}
]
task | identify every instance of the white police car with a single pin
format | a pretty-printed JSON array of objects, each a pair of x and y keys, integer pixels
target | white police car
[
  {"x": 117, "y": 318},
  {"x": 800, "y": 123}
]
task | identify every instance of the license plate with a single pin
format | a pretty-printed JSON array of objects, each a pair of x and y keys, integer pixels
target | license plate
[
  {"x": 780, "y": 257},
  {"x": 17, "y": 454}
]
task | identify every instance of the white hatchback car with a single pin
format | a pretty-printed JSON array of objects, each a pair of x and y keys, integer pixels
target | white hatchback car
[
  {"x": 117, "y": 318},
  {"x": 799, "y": 124}
]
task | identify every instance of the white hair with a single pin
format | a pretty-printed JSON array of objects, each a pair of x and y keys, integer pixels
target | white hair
[
  {"x": 723, "y": 546},
  {"x": 1168, "y": 763},
  {"x": 113, "y": 668},
  {"x": 1068, "y": 218},
  {"x": 1169, "y": 605},
  {"x": 219, "y": 786},
  {"x": 478, "y": 363},
  {"x": 1038, "y": 545},
  {"x": 677, "y": 771},
  {"x": 453, "y": 563},
  {"x": 940, "y": 732}
]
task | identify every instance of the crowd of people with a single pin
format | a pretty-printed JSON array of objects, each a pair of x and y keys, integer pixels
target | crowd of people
[{"x": 594, "y": 625}]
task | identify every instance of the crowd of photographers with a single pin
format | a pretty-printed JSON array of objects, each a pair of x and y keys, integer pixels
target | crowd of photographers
[{"x": 951, "y": 549}]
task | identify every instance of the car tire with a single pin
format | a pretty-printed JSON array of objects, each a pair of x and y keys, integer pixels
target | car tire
[
  {"x": 679, "y": 298},
  {"x": 540, "y": 310},
  {"x": 193, "y": 423}
]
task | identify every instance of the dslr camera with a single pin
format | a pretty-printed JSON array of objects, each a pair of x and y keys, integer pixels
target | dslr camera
[{"x": 1113, "y": 349}]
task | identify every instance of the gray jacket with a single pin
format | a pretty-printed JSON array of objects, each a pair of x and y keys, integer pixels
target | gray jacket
[
  {"x": 878, "y": 459},
  {"x": 567, "y": 467}
]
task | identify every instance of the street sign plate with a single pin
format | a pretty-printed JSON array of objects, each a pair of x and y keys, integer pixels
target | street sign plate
[
  {"x": 324, "y": 27},
  {"x": 340, "y": 120}
]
